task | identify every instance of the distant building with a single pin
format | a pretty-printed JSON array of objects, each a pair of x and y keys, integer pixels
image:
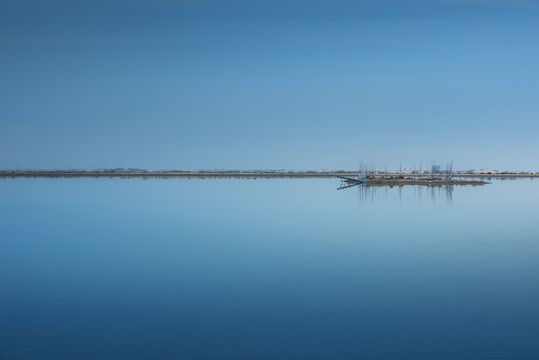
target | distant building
[{"x": 489, "y": 172}]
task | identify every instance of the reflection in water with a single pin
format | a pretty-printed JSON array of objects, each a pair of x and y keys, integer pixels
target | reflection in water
[
  {"x": 228, "y": 269},
  {"x": 430, "y": 194}
]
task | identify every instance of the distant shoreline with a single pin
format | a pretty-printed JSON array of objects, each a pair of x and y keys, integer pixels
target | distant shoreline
[{"x": 226, "y": 174}]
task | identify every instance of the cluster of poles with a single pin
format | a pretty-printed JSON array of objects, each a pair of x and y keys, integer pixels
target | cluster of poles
[{"x": 369, "y": 168}]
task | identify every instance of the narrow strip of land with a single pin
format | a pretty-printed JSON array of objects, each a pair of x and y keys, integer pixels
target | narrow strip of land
[
  {"x": 232, "y": 174},
  {"x": 401, "y": 181}
]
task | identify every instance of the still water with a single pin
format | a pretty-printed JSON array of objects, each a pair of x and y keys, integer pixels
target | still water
[{"x": 266, "y": 269}]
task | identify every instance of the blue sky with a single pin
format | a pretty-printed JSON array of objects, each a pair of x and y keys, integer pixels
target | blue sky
[{"x": 268, "y": 84}]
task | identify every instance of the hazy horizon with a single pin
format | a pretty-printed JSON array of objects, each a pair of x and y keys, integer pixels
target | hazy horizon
[{"x": 241, "y": 169}]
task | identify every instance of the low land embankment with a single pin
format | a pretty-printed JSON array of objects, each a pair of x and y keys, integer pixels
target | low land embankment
[{"x": 227, "y": 174}]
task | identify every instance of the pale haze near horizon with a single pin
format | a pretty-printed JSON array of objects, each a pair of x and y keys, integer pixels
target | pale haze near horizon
[{"x": 268, "y": 84}]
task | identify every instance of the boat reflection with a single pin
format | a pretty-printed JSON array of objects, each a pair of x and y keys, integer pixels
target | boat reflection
[{"x": 430, "y": 194}]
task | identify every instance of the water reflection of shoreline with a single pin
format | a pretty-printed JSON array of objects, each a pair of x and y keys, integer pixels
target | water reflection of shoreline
[{"x": 430, "y": 194}]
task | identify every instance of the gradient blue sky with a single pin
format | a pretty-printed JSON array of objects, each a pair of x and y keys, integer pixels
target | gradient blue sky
[{"x": 268, "y": 84}]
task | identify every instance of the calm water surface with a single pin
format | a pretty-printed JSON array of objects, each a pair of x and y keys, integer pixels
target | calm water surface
[{"x": 266, "y": 269}]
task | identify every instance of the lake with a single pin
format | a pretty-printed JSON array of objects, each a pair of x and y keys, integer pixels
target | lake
[{"x": 267, "y": 269}]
